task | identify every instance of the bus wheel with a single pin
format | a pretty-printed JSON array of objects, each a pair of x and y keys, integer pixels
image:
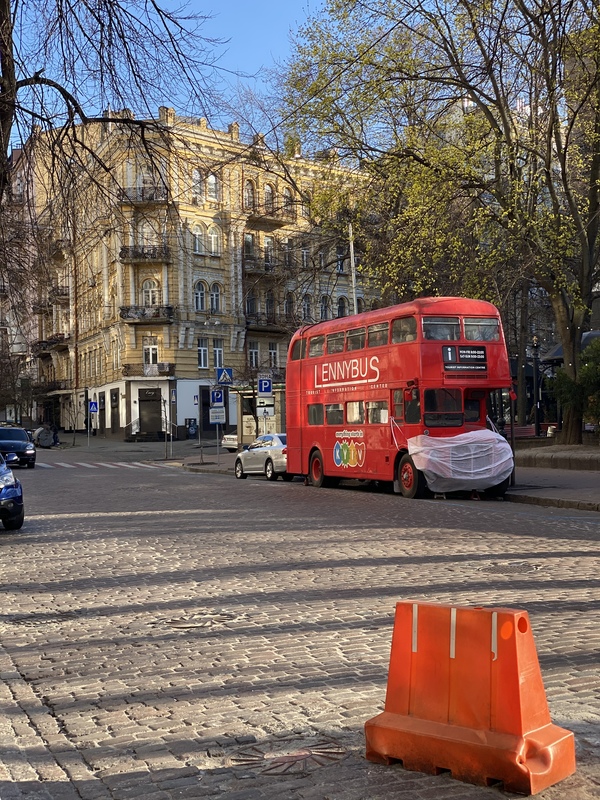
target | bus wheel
[
  {"x": 315, "y": 469},
  {"x": 412, "y": 482},
  {"x": 499, "y": 490}
]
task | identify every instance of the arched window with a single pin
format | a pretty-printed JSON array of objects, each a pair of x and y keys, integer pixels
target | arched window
[
  {"x": 150, "y": 293},
  {"x": 148, "y": 184},
  {"x": 197, "y": 186},
  {"x": 212, "y": 187},
  {"x": 307, "y": 307},
  {"x": 198, "y": 240},
  {"x": 249, "y": 196},
  {"x": 214, "y": 240},
  {"x": 251, "y": 306},
  {"x": 269, "y": 198},
  {"x": 360, "y": 305},
  {"x": 289, "y": 305},
  {"x": 215, "y": 299},
  {"x": 288, "y": 201},
  {"x": 342, "y": 307},
  {"x": 200, "y": 296},
  {"x": 325, "y": 307},
  {"x": 270, "y": 305},
  {"x": 306, "y": 206}
]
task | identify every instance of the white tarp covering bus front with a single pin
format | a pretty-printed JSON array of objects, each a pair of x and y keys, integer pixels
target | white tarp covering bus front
[{"x": 476, "y": 460}]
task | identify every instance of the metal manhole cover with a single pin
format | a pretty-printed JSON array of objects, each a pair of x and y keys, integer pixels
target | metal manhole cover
[
  {"x": 204, "y": 620},
  {"x": 42, "y": 618},
  {"x": 287, "y": 757},
  {"x": 518, "y": 568}
]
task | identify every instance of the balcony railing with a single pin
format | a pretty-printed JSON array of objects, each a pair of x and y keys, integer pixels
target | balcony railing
[
  {"x": 143, "y": 194},
  {"x": 58, "y": 341},
  {"x": 147, "y": 314},
  {"x": 148, "y": 252},
  {"x": 39, "y": 347},
  {"x": 162, "y": 369},
  {"x": 279, "y": 321},
  {"x": 59, "y": 294},
  {"x": 271, "y": 215}
]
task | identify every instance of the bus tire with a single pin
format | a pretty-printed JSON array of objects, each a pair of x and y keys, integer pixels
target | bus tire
[
  {"x": 411, "y": 480},
  {"x": 315, "y": 470},
  {"x": 499, "y": 490}
]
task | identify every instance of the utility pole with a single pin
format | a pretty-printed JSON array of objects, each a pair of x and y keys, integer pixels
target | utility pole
[{"x": 536, "y": 388}]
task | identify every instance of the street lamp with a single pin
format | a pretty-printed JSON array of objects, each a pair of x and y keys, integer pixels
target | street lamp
[{"x": 536, "y": 391}]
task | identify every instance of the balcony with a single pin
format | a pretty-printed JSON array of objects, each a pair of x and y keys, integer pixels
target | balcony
[
  {"x": 271, "y": 216},
  {"x": 157, "y": 315},
  {"x": 58, "y": 341},
  {"x": 143, "y": 194},
  {"x": 279, "y": 323},
  {"x": 41, "y": 307},
  {"x": 59, "y": 295},
  {"x": 162, "y": 369},
  {"x": 40, "y": 347},
  {"x": 149, "y": 252},
  {"x": 46, "y": 387},
  {"x": 258, "y": 265}
]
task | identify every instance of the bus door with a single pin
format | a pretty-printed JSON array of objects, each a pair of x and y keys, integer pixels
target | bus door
[{"x": 407, "y": 415}]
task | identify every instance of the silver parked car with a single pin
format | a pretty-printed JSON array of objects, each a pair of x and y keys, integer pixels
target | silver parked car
[
  {"x": 230, "y": 441},
  {"x": 267, "y": 455}
]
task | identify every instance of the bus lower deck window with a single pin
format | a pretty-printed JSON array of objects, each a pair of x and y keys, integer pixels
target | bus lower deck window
[
  {"x": 355, "y": 412},
  {"x": 315, "y": 414},
  {"x": 334, "y": 414},
  {"x": 377, "y": 411},
  {"x": 398, "y": 404},
  {"x": 443, "y": 408}
]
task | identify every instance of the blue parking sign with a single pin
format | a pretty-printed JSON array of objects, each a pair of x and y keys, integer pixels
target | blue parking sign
[{"x": 265, "y": 387}]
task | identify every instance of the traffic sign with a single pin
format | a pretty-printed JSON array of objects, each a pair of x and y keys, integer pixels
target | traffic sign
[
  {"x": 225, "y": 376},
  {"x": 216, "y": 416},
  {"x": 265, "y": 387},
  {"x": 266, "y": 411},
  {"x": 217, "y": 398},
  {"x": 93, "y": 407},
  {"x": 261, "y": 402}
]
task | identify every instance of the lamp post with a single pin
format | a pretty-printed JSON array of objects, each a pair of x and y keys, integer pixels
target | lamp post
[{"x": 536, "y": 389}]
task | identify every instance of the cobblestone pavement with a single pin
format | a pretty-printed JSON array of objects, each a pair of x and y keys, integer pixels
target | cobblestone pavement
[{"x": 174, "y": 635}]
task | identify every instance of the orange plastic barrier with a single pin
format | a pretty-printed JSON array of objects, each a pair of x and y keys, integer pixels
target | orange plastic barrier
[{"x": 465, "y": 695}]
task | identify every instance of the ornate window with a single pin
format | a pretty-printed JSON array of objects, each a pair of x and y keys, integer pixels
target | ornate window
[
  {"x": 151, "y": 294},
  {"x": 197, "y": 186},
  {"x": 289, "y": 305},
  {"x": 342, "y": 307},
  {"x": 215, "y": 299},
  {"x": 307, "y": 307},
  {"x": 251, "y": 305},
  {"x": 325, "y": 307},
  {"x": 198, "y": 240},
  {"x": 249, "y": 196},
  {"x": 270, "y": 305},
  {"x": 200, "y": 296},
  {"x": 213, "y": 189},
  {"x": 214, "y": 241},
  {"x": 269, "y": 196},
  {"x": 288, "y": 201},
  {"x": 360, "y": 305}
]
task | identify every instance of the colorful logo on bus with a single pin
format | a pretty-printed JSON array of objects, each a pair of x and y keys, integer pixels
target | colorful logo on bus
[{"x": 349, "y": 453}]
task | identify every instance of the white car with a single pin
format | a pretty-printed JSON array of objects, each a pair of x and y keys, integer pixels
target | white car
[
  {"x": 230, "y": 442},
  {"x": 267, "y": 455}
]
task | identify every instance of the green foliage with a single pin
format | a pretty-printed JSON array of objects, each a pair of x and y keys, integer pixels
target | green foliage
[{"x": 590, "y": 379}]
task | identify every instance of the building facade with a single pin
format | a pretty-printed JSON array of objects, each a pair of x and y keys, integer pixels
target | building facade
[{"x": 179, "y": 252}]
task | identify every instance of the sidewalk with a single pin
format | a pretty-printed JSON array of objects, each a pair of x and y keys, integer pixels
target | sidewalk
[{"x": 563, "y": 477}]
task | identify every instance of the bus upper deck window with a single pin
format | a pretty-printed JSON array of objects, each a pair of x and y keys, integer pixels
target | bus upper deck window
[
  {"x": 298, "y": 350},
  {"x": 481, "y": 329},
  {"x": 355, "y": 339},
  {"x": 378, "y": 334},
  {"x": 316, "y": 346},
  {"x": 445, "y": 329},
  {"x": 335, "y": 342},
  {"x": 404, "y": 330}
]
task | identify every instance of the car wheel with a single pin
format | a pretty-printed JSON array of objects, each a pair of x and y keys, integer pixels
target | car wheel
[
  {"x": 31, "y": 465},
  {"x": 239, "y": 470},
  {"x": 286, "y": 476},
  {"x": 411, "y": 480},
  {"x": 270, "y": 473},
  {"x": 15, "y": 523}
]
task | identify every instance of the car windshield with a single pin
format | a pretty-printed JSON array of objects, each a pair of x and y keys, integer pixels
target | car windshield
[{"x": 13, "y": 435}]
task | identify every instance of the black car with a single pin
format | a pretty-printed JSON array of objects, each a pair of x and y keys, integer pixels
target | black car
[
  {"x": 14, "y": 439},
  {"x": 12, "y": 509}
]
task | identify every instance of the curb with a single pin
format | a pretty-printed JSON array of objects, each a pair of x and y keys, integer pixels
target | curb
[{"x": 580, "y": 505}]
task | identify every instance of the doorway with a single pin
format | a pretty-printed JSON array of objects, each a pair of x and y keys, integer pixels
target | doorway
[{"x": 150, "y": 411}]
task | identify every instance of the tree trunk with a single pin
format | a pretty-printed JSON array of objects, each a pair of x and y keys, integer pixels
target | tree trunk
[{"x": 570, "y": 330}]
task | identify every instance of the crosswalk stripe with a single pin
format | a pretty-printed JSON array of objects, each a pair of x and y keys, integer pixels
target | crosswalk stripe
[
  {"x": 124, "y": 464},
  {"x": 67, "y": 466},
  {"x": 108, "y": 466},
  {"x": 44, "y": 466},
  {"x": 146, "y": 466},
  {"x": 83, "y": 464}
]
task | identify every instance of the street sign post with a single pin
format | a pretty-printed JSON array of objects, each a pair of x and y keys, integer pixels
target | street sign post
[
  {"x": 216, "y": 416},
  {"x": 92, "y": 409}
]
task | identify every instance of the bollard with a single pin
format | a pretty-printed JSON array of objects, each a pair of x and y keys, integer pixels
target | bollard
[{"x": 465, "y": 695}]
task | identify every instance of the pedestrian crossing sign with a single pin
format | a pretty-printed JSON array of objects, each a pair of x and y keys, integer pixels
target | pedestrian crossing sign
[
  {"x": 93, "y": 407},
  {"x": 225, "y": 376}
]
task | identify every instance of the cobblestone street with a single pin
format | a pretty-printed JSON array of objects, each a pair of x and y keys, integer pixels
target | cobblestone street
[{"x": 171, "y": 635}]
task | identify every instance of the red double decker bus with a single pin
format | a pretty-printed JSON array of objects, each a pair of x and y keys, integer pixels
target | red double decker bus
[{"x": 400, "y": 394}]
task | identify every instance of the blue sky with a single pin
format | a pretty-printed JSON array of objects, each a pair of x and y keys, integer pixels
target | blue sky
[{"x": 258, "y": 30}]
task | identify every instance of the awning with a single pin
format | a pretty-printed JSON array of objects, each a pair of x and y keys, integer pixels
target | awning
[{"x": 555, "y": 355}]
